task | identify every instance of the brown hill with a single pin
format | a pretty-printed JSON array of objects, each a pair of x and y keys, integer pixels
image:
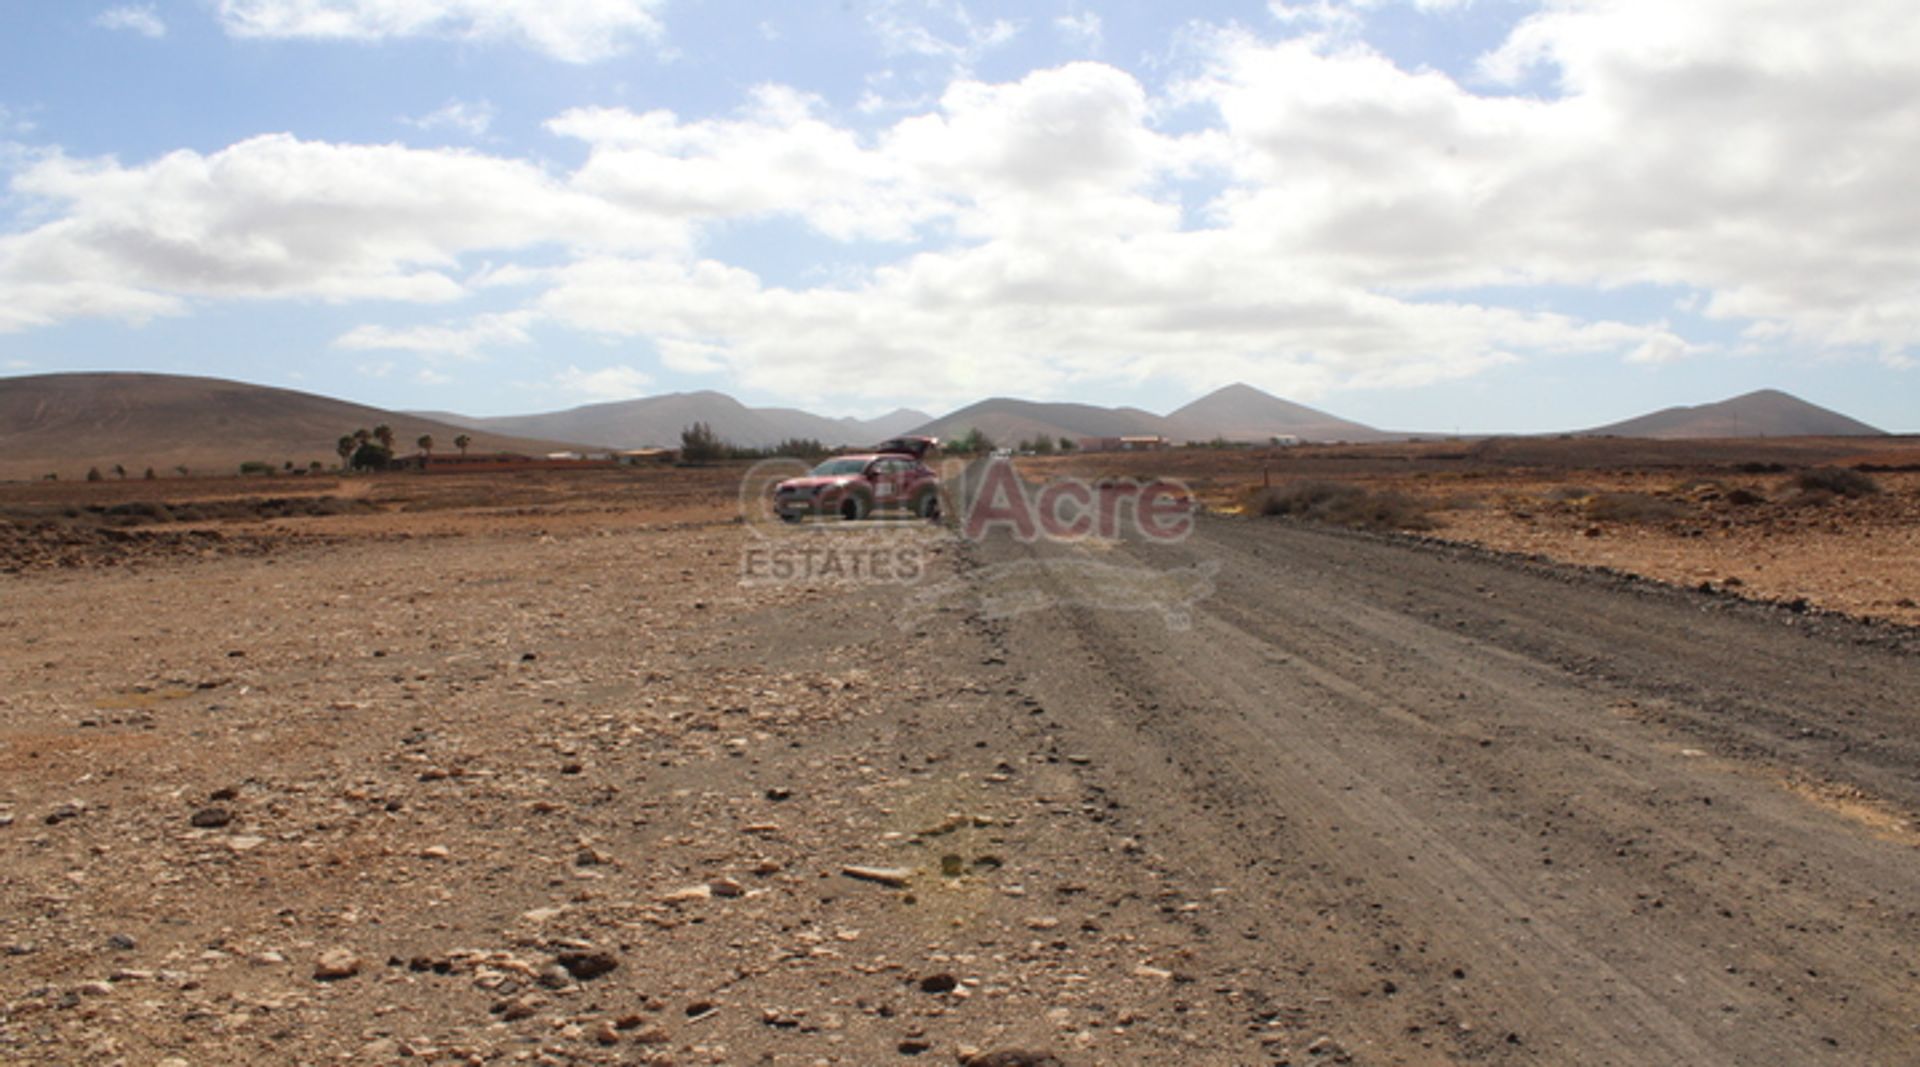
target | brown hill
[
  {"x": 1236, "y": 412},
  {"x": 1008, "y": 421},
  {"x": 1765, "y": 413},
  {"x": 66, "y": 423},
  {"x": 1240, "y": 412},
  {"x": 658, "y": 420}
]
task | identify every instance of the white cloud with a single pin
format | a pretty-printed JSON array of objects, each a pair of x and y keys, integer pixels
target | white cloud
[
  {"x": 12, "y": 124},
  {"x": 19, "y": 364},
  {"x": 1083, "y": 30},
  {"x": 137, "y": 18},
  {"x": 938, "y": 30},
  {"x": 1751, "y": 161},
  {"x": 461, "y": 341},
  {"x": 574, "y": 31},
  {"x": 278, "y": 217},
  {"x": 472, "y": 119},
  {"x": 618, "y": 382}
]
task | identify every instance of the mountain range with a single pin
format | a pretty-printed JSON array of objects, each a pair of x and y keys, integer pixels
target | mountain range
[
  {"x": 656, "y": 421},
  {"x": 66, "y": 423}
]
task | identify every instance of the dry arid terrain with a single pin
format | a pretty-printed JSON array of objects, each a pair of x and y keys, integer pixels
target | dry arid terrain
[
  {"x": 515, "y": 770},
  {"x": 500, "y": 769},
  {"x": 1728, "y": 515}
]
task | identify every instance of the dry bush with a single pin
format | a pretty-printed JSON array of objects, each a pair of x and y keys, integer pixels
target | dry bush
[
  {"x": 1838, "y": 481},
  {"x": 1343, "y": 504},
  {"x": 1632, "y": 507}
]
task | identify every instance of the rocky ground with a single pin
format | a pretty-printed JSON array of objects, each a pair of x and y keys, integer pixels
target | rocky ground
[
  {"x": 477, "y": 770},
  {"x": 542, "y": 782},
  {"x": 1727, "y": 514}
]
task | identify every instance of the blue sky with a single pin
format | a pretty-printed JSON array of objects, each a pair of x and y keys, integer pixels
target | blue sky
[{"x": 1482, "y": 215}]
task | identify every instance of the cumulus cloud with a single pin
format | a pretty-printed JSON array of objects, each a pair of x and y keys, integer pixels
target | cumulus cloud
[
  {"x": 276, "y": 216},
  {"x": 136, "y": 18},
  {"x": 574, "y": 31}
]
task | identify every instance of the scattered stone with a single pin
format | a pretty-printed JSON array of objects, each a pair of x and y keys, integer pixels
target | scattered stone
[
  {"x": 605, "y": 1033},
  {"x": 121, "y": 943},
  {"x": 1013, "y": 1058},
  {"x": 64, "y": 812},
  {"x": 689, "y": 895},
  {"x": 436, "y": 852},
  {"x": 211, "y": 818},
  {"x": 554, "y": 976},
  {"x": 938, "y": 983},
  {"x": 652, "y": 1035},
  {"x": 586, "y": 966},
  {"x": 726, "y": 887},
  {"x": 514, "y": 1009},
  {"x": 335, "y": 964},
  {"x": 94, "y": 989},
  {"x": 896, "y": 877}
]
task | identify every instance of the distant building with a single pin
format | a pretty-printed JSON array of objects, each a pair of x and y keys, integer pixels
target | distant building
[{"x": 1130, "y": 443}]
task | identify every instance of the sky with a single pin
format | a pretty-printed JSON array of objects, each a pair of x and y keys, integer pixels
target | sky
[{"x": 1434, "y": 215}]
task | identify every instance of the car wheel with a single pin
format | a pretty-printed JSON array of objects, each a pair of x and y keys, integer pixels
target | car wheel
[
  {"x": 853, "y": 508},
  {"x": 927, "y": 506}
]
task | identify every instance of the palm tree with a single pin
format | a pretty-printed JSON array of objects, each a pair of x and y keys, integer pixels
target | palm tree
[
  {"x": 345, "y": 447},
  {"x": 461, "y": 442},
  {"x": 425, "y": 442},
  {"x": 384, "y": 434},
  {"x": 119, "y": 470}
]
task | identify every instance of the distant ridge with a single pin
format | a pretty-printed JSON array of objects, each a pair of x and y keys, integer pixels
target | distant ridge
[
  {"x": 658, "y": 420},
  {"x": 1236, "y": 412},
  {"x": 1762, "y": 413},
  {"x": 67, "y": 423},
  {"x": 1007, "y": 421}
]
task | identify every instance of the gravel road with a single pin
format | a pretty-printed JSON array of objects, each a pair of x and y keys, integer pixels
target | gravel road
[{"x": 1463, "y": 808}]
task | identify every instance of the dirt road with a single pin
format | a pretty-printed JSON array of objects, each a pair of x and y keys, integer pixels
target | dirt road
[{"x": 1462, "y": 809}]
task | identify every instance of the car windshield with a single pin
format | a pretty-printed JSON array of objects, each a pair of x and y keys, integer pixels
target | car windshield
[{"x": 841, "y": 466}]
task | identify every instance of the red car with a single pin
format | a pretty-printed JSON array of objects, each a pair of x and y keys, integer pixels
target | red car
[{"x": 892, "y": 477}]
